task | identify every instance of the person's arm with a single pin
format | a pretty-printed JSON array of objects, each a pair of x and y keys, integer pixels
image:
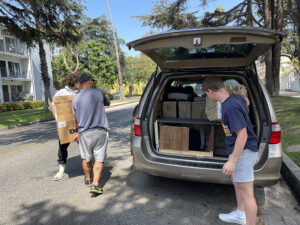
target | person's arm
[
  {"x": 106, "y": 101},
  {"x": 240, "y": 142}
]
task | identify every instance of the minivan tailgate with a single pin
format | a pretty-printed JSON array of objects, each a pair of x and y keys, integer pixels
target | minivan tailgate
[{"x": 206, "y": 47}]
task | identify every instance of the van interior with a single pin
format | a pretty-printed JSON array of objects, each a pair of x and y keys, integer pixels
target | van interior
[{"x": 185, "y": 122}]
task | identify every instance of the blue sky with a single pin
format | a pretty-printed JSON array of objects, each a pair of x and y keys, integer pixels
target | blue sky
[{"x": 130, "y": 28}]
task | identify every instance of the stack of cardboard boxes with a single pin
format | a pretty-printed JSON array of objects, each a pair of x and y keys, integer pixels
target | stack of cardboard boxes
[{"x": 176, "y": 138}]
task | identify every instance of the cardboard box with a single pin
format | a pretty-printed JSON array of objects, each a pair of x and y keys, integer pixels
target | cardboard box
[
  {"x": 65, "y": 118},
  {"x": 184, "y": 109},
  {"x": 198, "y": 109},
  {"x": 169, "y": 109},
  {"x": 176, "y": 138}
]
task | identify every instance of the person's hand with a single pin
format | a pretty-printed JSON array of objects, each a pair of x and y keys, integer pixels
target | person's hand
[
  {"x": 229, "y": 168},
  {"x": 76, "y": 138}
]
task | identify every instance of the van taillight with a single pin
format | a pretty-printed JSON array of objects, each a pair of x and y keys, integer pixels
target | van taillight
[
  {"x": 276, "y": 134},
  {"x": 137, "y": 127}
]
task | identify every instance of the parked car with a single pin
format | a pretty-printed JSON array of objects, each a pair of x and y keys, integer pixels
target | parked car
[
  {"x": 185, "y": 58},
  {"x": 116, "y": 95}
]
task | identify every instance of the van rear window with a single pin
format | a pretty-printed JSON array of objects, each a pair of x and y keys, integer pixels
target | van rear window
[{"x": 215, "y": 51}]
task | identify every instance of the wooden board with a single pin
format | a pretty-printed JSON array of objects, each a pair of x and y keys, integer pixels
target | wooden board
[
  {"x": 172, "y": 137},
  {"x": 192, "y": 153}
]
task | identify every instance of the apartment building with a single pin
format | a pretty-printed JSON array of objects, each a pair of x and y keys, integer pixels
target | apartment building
[{"x": 20, "y": 71}]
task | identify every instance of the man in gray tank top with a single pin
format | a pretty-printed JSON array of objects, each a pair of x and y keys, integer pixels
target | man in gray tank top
[{"x": 93, "y": 129}]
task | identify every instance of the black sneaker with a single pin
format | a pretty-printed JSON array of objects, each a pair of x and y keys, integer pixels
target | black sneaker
[
  {"x": 88, "y": 182},
  {"x": 96, "y": 190}
]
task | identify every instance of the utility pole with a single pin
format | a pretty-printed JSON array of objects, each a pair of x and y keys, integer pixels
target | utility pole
[{"x": 117, "y": 54}]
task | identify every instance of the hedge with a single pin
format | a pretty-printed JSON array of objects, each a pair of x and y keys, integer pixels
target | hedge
[{"x": 13, "y": 106}]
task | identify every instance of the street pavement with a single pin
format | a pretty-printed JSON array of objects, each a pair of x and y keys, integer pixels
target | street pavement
[{"x": 30, "y": 196}]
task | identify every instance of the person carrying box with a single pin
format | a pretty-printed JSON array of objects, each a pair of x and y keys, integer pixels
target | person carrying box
[
  {"x": 93, "y": 129},
  {"x": 72, "y": 88}
]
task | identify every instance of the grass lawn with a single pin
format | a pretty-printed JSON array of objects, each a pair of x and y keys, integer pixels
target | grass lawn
[
  {"x": 23, "y": 116},
  {"x": 288, "y": 115},
  {"x": 30, "y": 115},
  {"x": 132, "y": 99}
]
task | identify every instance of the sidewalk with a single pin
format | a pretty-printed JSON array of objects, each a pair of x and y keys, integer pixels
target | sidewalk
[
  {"x": 289, "y": 170},
  {"x": 40, "y": 121}
]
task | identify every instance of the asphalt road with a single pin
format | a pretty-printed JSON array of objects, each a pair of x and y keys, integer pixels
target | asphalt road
[{"x": 29, "y": 195}]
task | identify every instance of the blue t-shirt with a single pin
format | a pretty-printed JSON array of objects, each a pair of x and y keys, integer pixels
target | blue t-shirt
[
  {"x": 234, "y": 118},
  {"x": 89, "y": 110}
]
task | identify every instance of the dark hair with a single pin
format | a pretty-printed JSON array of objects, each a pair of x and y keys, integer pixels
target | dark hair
[
  {"x": 72, "y": 78},
  {"x": 212, "y": 82}
]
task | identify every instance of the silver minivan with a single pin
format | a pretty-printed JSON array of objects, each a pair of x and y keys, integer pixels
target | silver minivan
[{"x": 176, "y": 132}]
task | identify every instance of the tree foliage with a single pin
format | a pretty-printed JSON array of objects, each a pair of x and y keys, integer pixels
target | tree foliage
[
  {"x": 138, "y": 70},
  {"x": 98, "y": 30},
  {"x": 170, "y": 15},
  {"x": 35, "y": 21},
  {"x": 99, "y": 64}
]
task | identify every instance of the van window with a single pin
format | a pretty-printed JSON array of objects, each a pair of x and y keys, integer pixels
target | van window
[{"x": 215, "y": 51}]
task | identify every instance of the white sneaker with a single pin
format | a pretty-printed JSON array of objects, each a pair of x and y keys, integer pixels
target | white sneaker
[
  {"x": 232, "y": 218},
  {"x": 59, "y": 176}
]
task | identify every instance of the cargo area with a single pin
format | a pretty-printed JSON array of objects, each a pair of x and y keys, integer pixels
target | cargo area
[{"x": 185, "y": 122}]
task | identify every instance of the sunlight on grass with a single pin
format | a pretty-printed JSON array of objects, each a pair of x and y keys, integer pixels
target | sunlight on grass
[
  {"x": 19, "y": 119},
  {"x": 287, "y": 111}
]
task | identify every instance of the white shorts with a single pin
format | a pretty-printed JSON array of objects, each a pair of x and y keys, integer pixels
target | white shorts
[
  {"x": 244, "y": 170},
  {"x": 93, "y": 143}
]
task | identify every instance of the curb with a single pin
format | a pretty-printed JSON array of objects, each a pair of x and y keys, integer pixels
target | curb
[
  {"x": 291, "y": 172},
  {"x": 45, "y": 120}
]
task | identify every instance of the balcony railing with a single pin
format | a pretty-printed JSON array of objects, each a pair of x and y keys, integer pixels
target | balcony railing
[{"x": 14, "y": 46}]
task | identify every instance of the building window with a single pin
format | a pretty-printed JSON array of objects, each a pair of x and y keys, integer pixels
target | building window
[
  {"x": 5, "y": 93},
  {"x": 11, "y": 45},
  {"x": 1, "y": 43},
  {"x": 14, "y": 46},
  {"x": 3, "y": 69},
  {"x": 15, "y": 91},
  {"x": 14, "y": 69}
]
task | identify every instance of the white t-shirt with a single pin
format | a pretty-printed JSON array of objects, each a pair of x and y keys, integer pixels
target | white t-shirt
[{"x": 66, "y": 91}]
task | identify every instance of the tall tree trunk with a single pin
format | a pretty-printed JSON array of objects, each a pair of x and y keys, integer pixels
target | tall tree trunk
[
  {"x": 45, "y": 76},
  {"x": 298, "y": 26},
  {"x": 117, "y": 55},
  {"x": 268, "y": 55},
  {"x": 277, "y": 49}
]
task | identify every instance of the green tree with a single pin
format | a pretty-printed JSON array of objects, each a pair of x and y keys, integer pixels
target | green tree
[
  {"x": 59, "y": 71},
  {"x": 97, "y": 29},
  {"x": 96, "y": 62},
  {"x": 35, "y": 21},
  {"x": 138, "y": 71},
  {"x": 170, "y": 15}
]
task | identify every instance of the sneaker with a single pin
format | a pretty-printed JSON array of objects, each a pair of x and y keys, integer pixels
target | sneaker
[
  {"x": 96, "y": 190},
  {"x": 58, "y": 176},
  {"x": 88, "y": 183},
  {"x": 232, "y": 218}
]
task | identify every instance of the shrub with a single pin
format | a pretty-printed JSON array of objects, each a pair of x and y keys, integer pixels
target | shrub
[{"x": 13, "y": 106}]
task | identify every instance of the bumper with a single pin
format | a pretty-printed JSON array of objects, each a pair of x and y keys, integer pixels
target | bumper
[{"x": 268, "y": 175}]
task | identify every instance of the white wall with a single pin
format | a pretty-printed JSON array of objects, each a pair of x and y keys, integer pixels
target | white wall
[{"x": 37, "y": 81}]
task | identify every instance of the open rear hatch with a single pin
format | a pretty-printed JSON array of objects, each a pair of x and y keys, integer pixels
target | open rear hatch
[
  {"x": 178, "y": 112},
  {"x": 206, "y": 47}
]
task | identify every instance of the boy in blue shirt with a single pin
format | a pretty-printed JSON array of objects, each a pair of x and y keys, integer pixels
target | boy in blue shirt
[{"x": 241, "y": 146}]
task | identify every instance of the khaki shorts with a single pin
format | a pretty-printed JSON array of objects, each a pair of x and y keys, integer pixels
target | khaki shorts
[{"x": 93, "y": 143}]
